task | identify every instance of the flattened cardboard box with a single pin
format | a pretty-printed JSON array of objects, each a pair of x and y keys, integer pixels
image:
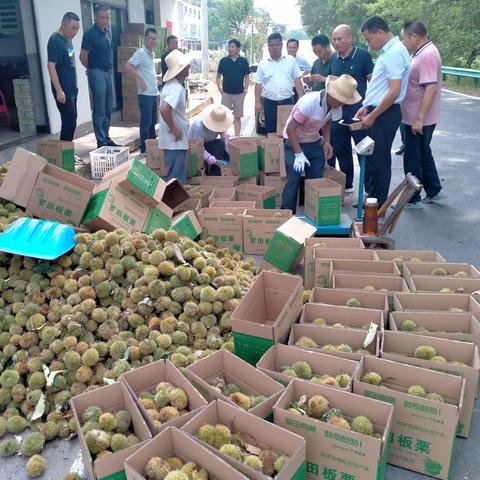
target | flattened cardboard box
[
  {"x": 463, "y": 327},
  {"x": 264, "y": 196},
  {"x": 259, "y": 225},
  {"x": 146, "y": 378},
  {"x": 271, "y": 154},
  {"x": 324, "y": 242},
  {"x": 357, "y": 340},
  {"x": 155, "y": 158},
  {"x": 112, "y": 207},
  {"x": 283, "y": 112},
  {"x": 172, "y": 442},
  {"x": 323, "y": 201},
  {"x": 110, "y": 398},
  {"x": 337, "y": 176},
  {"x": 436, "y": 302},
  {"x": 334, "y": 452},
  {"x": 243, "y": 157},
  {"x": 219, "y": 193},
  {"x": 276, "y": 182},
  {"x": 277, "y": 357},
  {"x": 246, "y": 377},
  {"x": 224, "y": 182},
  {"x": 400, "y": 347},
  {"x": 58, "y": 153},
  {"x": 423, "y": 430},
  {"x": 265, "y": 314},
  {"x": 225, "y": 225},
  {"x": 444, "y": 284},
  {"x": 59, "y": 195},
  {"x": 267, "y": 434},
  {"x": 233, "y": 203},
  {"x": 286, "y": 248}
]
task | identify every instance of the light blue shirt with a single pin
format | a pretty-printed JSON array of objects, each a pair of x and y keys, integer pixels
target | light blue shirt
[
  {"x": 392, "y": 64},
  {"x": 143, "y": 61},
  {"x": 303, "y": 65}
]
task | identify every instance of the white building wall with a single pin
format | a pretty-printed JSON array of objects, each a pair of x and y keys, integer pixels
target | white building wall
[
  {"x": 136, "y": 11},
  {"x": 48, "y": 17},
  {"x": 169, "y": 12}
]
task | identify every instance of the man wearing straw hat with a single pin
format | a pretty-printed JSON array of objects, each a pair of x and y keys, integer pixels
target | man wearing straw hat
[
  {"x": 173, "y": 124},
  {"x": 305, "y": 149},
  {"x": 211, "y": 126}
]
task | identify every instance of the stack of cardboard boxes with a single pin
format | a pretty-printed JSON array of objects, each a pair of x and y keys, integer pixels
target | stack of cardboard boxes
[{"x": 22, "y": 90}]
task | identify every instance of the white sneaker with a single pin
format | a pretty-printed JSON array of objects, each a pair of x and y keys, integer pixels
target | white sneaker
[
  {"x": 441, "y": 195},
  {"x": 349, "y": 190},
  {"x": 79, "y": 160},
  {"x": 409, "y": 206}
]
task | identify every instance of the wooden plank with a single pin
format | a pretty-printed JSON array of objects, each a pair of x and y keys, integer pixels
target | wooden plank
[{"x": 196, "y": 110}]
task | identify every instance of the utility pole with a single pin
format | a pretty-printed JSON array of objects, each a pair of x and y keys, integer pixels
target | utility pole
[{"x": 204, "y": 19}]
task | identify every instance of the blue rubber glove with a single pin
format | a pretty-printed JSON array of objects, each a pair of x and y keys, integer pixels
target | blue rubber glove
[{"x": 300, "y": 161}]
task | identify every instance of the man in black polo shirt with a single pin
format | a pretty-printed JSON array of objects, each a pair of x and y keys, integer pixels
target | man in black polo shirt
[
  {"x": 358, "y": 63},
  {"x": 63, "y": 75},
  {"x": 233, "y": 76},
  {"x": 97, "y": 57},
  {"x": 172, "y": 44},
  {"x": 321, "y": 66}
]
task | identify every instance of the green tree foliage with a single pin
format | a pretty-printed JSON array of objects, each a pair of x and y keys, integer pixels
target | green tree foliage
[{"x": 298, "y": 33}]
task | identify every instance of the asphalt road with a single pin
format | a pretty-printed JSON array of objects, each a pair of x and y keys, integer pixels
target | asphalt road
[{"x": 452, "y": 228}]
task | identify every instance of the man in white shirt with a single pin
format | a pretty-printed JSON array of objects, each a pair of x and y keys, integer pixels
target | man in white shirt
[
  {"x": 173, "y": 125},
  {"x": 142, "y": 66},
  {"x": 275, "y": 79}
]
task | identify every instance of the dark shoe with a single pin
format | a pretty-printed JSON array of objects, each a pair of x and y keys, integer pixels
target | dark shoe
[
  {"x": 400, "y": 150},
  {"x": 111, "y": 143}
]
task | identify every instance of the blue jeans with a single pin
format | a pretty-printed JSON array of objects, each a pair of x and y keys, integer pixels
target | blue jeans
[
  {"x": 177, "y": 165},
  {"x": 418, "y": 160},
  {"x": 100, "y": 83},
  {"x": 314, "y": 153},
  {"x": 148, "y": 118}
]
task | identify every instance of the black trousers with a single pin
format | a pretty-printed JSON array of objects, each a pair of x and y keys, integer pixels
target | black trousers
[
  {"x": 68, "y": 114},
  {"x": 217, "y": 149},
  {"x": 379, "y": 164},
  {"x": 270, "y": 109}
]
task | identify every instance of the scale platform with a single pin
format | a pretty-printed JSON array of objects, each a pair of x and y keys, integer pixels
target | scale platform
[{"x": 342, "y": 229}]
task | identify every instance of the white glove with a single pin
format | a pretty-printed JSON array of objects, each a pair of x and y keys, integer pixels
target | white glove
[
  {"x": 300, "y": 161},
  {"x": 211, "y": 160}
]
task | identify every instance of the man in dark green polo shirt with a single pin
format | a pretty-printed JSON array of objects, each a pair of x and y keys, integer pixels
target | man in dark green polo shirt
[
  {"x": 233, "y": 76},
  {"x": 321, "y": 66}
]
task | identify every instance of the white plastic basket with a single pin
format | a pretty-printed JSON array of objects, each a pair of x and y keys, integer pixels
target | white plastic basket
[{"x": 103, "y": 159}]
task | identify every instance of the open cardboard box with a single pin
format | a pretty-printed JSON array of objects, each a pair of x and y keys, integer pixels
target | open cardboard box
[
  {"x": 401, "y": 256},
  {"x": 195, "y": 156},
  {"x": 423, "y": 430},
  {"x": 247, "y": 181},
  {"x": 264, "y": 196},
  {"x": 324, "y": 242},
  {"x": 323, "y": 201},
  {"x": 233, "y": 203},
  {"x": 252, "y": 382},
  {"x": 155, "y": 158},
  {"x": 267, "y": 434},
  {"x": 463, "y": 327},
  {"x": 225, "y": 181},
  {"x": 283, "y": 112},
  {"x": 400, "y": 347},
  {"x": 146, "y": 378},
  {"x": 243, "y": 157},
  {"x": 322, "y": 257},
  {"x": 172, "y": 442},
  {"x": 265, "y": 314},
  {"x": 259, "y": 225},
  {"x": 110, "y": 398},
  {"x": 271, "y": 154},
  {"x": 337, "y": 176},
  {"x": 435, "y": 302},
  {"x": 332, "y": 449},
  {"x": 190, "y": 204},
  {"x": 202, "y": 193},
  {"x": 367, "y": 267},
  {"x": 350, "y": 317},
  {"x": 278, "y": 356},
  {"x": 431, "y": 283},
  {"x": 322, "y": 336},
  {"x": 286, "y": 248},
  {"x": 219, "y": 193},
  {"x": 426, "y": 268},
  {"x": 57, "y": 152},
  {"x": 225, "y": 225},
  {"x": 276, "y": 182}
]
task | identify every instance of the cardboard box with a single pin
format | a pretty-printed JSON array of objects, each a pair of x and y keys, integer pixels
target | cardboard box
[
  {"x": 112, "y": 207},
  {"x": 110, "y": 398},
  {"x": 271, "y": 154},
  {"x": 195, "y": 180},
  {"x": 286, "y": 248},
  {"x": 400, "y": 256},
  {"x": 225, "y": 225},
  {"x": 283, "y": 112},
  {"x": 219, "y": 193},
  {"x": 248, "y": 180},
  {"x": 252, "y": 382},
  {"x": 184, "y": 223},
  {"x": 17, "y": 186},
  {"x": 426, "y": 268},
  {"x": 355, "y": 318},
  {"x": 59, "y": 195},
  {"x": 259, "y": 225},
  {"x": 243, "y": 157},
  {"x": 274, "y": 360},
  {"x": 194, "y": 156},
  {"x": 202, "y": 193},
  {"x": 365, "y": 267},
  {"x": 173, "y": 442},
  {"x": 323, "y": 336},
  {"x": 333, "y": 450},
  {"x": 174, "y": 196},
  {"x": 146, "y": 378},
  {"x": 59, "y": 153},
  {"x": 224, "y": 182},
  {"x": 337, "y": 176},
  {"x": 264, "y": 196},
  {"x": 436, "y": 302},
  {"x": 463, "y": 327},
  {"x": 233, "y": 204},
  {"x": 323, "y": 201},
  {"x": 324, "y": 242},
  {"x": 265, "y": 433},
  {"x": 155, "y": 158},
  {"x": 400, "y": 347},
  {"x": 423, "y": 430},
  {"x": 190, "y": 204},
  {"x": 432, "y": 283},
  {"x": 276, "y": 182},
  {"x": 265, "y": 314}
]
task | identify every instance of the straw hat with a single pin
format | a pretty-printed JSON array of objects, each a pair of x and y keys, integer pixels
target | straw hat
[
  {"x": 217, "y": 118},
  {"x": 343, "y": 89},
  {"x": 176, "y": 61}
]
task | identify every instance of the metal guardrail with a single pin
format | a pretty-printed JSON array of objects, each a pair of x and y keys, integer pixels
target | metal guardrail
[{"x": 460, "y": 73}]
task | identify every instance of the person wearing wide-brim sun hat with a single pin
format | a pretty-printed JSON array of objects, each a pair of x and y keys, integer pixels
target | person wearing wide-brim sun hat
[
  {"x": 211, "y": 126},
  {"x": 305, "y": 149},
  {"x": 173, "y": 124}
]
